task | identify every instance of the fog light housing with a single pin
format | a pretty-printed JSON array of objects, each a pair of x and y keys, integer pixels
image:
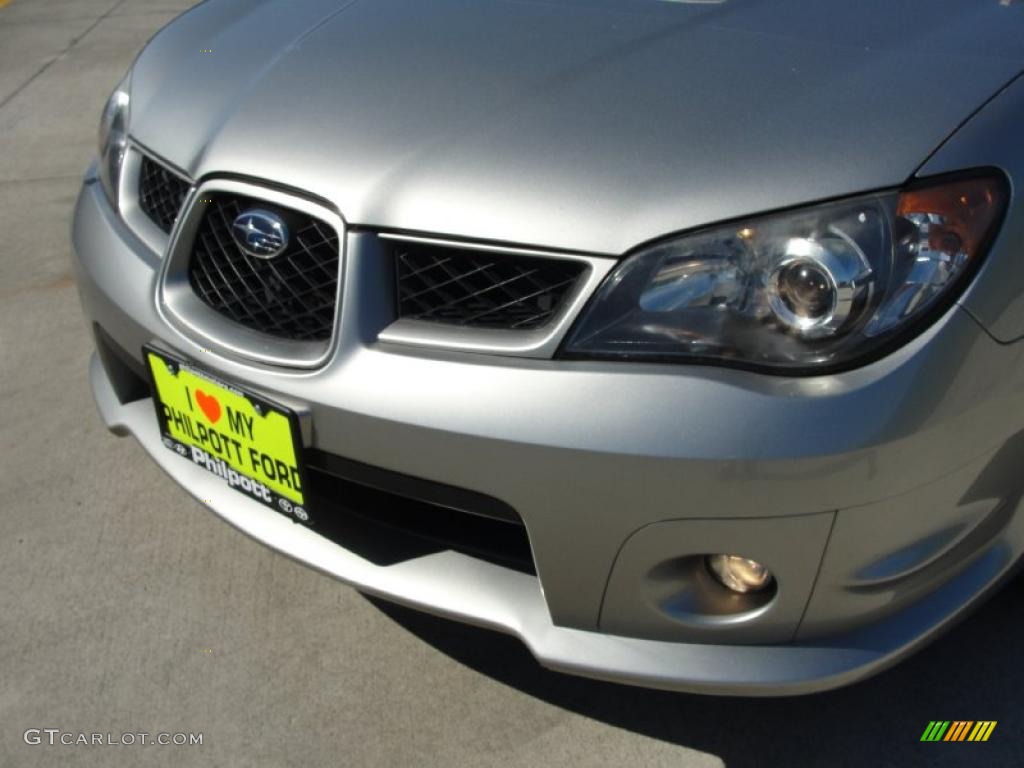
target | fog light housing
[{"x": 740, "y": 574}]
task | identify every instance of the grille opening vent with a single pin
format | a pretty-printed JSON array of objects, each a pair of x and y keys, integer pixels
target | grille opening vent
[
  {"x": 480, "y": 289},
  {"x": 291, "y": 296},
  {"x": 161, "y": 193},
  {"x": 127, "y": 375},
  {"x": 387, "y": 518}
]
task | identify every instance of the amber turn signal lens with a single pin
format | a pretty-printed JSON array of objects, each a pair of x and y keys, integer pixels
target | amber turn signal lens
[{"x": 962, "y": 212}]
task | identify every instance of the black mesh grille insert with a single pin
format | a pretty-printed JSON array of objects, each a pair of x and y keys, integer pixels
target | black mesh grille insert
[
  {"x": 291, "y": 296},
  {"x": 161, "y": 193},
  {"x": 480, "y": 289}
]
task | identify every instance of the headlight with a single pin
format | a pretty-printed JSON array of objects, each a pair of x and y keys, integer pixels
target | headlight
[
  {"x": 804, "y": 291},
  {"x": 114, "y": 138}
]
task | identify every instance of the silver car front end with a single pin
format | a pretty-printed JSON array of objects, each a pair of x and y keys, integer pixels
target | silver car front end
[{"x": 882, "y": 496}]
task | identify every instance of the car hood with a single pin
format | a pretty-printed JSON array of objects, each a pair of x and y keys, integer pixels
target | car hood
[{"x": 589, "y": 125}]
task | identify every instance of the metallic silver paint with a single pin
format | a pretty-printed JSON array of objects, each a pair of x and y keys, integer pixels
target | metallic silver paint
[
  {"x": 583, "y": 126},
  {"x": 887, "y": 497},
  {"x": 660, "y": 588},
  {"x": 992, "y": 138},
  {"x": 476, "y": 592},
  {"x": 526, "y": 431}
]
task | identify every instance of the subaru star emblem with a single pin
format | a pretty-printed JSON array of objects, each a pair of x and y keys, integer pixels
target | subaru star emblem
[{"x": 260, "y": 233}]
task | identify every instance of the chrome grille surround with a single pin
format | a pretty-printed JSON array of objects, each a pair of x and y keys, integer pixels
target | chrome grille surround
[
  {"x": 205, "y": 325},
  {"x": 130, "y": 204}
]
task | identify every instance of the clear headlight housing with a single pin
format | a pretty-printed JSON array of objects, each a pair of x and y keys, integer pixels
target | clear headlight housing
[
  {"x": 820, "y": 288},
  {"x": 113, "y": 138}
]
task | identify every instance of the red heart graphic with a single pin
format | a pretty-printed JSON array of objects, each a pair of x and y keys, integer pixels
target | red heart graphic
[{"x": 209, "y": 405}]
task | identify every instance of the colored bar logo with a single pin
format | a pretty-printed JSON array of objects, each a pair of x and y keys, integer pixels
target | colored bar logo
[{"x": 958, "y": 730}]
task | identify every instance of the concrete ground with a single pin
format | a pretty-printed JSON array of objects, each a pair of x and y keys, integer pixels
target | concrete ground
[{"x": 125, "y": 607}]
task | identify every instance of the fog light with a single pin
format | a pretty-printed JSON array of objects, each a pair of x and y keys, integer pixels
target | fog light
[{"x": 740, "y": 574}]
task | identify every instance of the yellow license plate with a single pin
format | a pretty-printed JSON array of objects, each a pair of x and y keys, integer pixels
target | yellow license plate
[{"x": 251, "y": 443}]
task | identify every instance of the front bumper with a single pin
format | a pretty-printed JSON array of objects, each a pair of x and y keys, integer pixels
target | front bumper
[{"x": 884, "y": 499}]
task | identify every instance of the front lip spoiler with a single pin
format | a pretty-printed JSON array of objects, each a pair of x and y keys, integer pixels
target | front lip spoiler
[{"x": 460, "y": 587}]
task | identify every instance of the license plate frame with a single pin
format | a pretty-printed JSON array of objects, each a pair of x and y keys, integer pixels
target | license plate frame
[{"x": 192, "y": 422}]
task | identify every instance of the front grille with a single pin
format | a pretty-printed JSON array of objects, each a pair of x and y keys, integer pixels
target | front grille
[
  {"x": 291, "y": 296},
  {"x": 388, "y": 518},
  {"x": 161, "y": 193},
  {"x": 479, "y": 289}
]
